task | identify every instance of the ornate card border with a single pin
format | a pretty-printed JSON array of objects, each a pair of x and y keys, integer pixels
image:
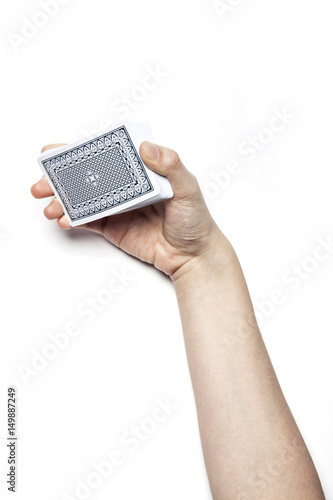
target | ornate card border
[{"x": 118, "y": 137}]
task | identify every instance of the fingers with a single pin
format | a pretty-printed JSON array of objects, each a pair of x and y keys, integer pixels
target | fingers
[
  {"x": 63, "y": 222},
  {"x": 166, "y": 162},
  {"x": 53, "y": 210},
  {"x": 41, "y": 189},
  {"x": 52, "y": 146}
]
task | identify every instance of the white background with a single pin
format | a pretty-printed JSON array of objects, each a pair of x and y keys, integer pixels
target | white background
[{"x": 223, "y": 76}]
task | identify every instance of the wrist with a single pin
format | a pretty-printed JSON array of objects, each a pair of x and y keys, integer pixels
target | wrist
[{"x": 215, "y": 259}]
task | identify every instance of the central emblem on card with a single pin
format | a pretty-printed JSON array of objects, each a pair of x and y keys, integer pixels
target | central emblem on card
[{"x": 92, "y": 178}]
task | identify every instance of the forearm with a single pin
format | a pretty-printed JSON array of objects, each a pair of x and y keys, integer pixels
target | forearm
[{"x": 251, "y": 443}]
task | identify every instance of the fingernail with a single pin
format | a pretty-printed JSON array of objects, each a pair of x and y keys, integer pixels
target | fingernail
[{"x": 151, "y": 151}]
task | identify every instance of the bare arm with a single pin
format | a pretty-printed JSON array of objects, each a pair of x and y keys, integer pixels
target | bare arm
[{"x": 251, "y": 443}]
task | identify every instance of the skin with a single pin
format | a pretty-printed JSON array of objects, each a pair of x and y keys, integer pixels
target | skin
[{"x": 251, "y": 443}]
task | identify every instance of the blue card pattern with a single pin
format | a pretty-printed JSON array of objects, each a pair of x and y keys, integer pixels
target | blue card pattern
[{"x": 99, "y": 174}]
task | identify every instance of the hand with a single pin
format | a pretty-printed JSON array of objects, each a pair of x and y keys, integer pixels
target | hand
[{"x": 168, "y": 234}]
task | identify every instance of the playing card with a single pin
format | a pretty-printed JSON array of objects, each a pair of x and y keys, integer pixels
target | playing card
[{"x": 103, "y": 175}]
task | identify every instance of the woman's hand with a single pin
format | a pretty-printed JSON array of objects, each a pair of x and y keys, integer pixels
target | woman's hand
[{"x": 168, "y": 234}]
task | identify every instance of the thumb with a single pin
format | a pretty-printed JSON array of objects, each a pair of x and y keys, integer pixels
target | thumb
[{"x": 166, "y": 162}]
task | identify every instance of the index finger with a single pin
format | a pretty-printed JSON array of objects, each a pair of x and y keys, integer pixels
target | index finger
[{"x": 52, "y": 146}]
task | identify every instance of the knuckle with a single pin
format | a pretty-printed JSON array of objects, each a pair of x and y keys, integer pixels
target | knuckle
[
  {"x": 194, "y": 180},
  {"x": 173, "y": 159},
  {"x": 193, "y": 184}
]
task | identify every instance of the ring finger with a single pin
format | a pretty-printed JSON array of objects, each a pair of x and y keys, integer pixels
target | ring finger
[{"x": 54, "y": 210}]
